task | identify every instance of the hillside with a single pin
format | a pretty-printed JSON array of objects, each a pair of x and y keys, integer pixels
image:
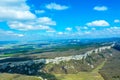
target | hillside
[
  {"x": 111, "y": 69},
  {"x": 69, "y": 64}
]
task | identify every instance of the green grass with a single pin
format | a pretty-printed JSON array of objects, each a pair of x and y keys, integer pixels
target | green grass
[
  {"x": 93, "y": 75},
  {"x": 111, "y": 69},
  {"x": 99, "y": 67},
  {"x": 80, "y": 76},
  {"x": 6, "y": 76},
  {"x": 6, "y": 55}
]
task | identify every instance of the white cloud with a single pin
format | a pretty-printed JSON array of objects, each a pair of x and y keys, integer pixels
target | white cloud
[
  {"x": 113, "y": 28},
  {"x": 93, "y": 33},
  {"x": 46, "y": 21},
  {"x": 20, "y": 35},
  {"x": 39, "y": 11},
  {"x": 60, "y": 33},
  {"x": 107, "y": 32},
  {"x": 79, "y": 28},
  {"x": 68, "y": 29},
  {"x": 85, "y": 27},
  {"x": 112, "y": 31},
  {"x": 98, "y": 23},
  {"x": 42, "y": 23},
  {"x": 51, "y": 30},
  {"x": 87, "y": 32},
  {"x": 104, "y": 32},
  {"x": 93, "y": 28},
  {"x": 18, "y": 16},
  {"x": 55, "y": 6},
  {"x": 15, "y": 10},
  {"x": 10, "y": 33},
  {"x": 117, "y": 21},
  {"x": 100, "y": 8}
]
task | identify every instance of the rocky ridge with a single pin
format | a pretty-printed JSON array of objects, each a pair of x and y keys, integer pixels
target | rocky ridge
[{"x": 33, "y": 67}]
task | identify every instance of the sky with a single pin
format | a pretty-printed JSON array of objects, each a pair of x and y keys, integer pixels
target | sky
[{"x": 59, "y": 19}]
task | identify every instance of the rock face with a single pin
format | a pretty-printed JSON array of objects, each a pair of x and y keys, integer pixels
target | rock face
[
  {"x": 77, "y": 63},
  {"x": 32, "y": 67},
  {"x": 57, "y": 60},
  {"x": 25, "y": 67}
]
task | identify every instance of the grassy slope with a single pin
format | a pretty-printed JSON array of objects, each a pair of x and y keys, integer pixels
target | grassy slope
[
  {"x": 94, "y": 75},
  {"x": 6, "y": 76},
  {"x": 111, "y": 69}
]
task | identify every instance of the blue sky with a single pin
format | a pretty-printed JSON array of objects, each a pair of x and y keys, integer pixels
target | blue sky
[{"x": 52, "y": 19}]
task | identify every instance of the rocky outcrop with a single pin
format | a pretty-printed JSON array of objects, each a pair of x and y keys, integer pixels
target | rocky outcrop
[
  {"x": 57, "y": 60},
  {"x": 32, "y": 67},
  {"x": 26, "y": 67}
]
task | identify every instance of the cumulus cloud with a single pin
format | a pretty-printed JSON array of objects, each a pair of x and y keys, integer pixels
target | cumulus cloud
[
  {"x": 93, "y": 28},
  {"x": 113, "y": 29},
  {"x": 42, "y": 23},
  {"x": 46, "y": 21},
  {"x": 98, "y": 23},
  {"x": 39, "y": 11},
  {"x": 93, "y": 33},
  {"x": 81, "y": 28},
  {"x": 55, "y": 6},
  {"x": 18, "y": 16},
  {"x": 15, "y": 10},
  {"x": 51, "y": 30},
  {"x": 10, "y": 33},
  {"x": 85, "y": 27},
  {"x": 100, "y": 8},
  {"x": 14, "y": 34},
  {"x": 117, "y": 21},
  {"x": 87, "y": 32},
  {"x": 78, "y": 28},
  {"x": 110, "y": 32},
  {"x": 60, "y": 33},
  {"x": 68, "y": 29},
  {"x": 106, "y": 32}
]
